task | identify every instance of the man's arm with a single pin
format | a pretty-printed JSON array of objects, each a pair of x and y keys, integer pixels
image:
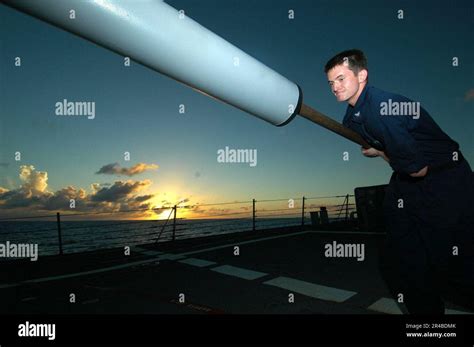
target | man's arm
[
  {"x": 372, "y": 153},
  {"x": 393, "y": 132}
]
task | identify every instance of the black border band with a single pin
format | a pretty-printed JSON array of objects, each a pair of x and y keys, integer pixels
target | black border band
[{"x": 297, "y": 109}]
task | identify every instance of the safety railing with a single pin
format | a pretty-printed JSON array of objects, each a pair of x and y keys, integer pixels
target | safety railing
[{"x": 71, "y": 232}]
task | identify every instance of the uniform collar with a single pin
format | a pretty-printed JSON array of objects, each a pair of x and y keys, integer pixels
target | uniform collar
[
  {"x": 361, "y": 99},
  {"x": 353, "y": 112}
]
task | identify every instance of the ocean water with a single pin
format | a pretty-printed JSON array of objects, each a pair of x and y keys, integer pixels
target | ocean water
[{"x": 81, "y": 236}]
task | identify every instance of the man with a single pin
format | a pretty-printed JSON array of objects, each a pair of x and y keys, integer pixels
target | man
[{"x": 428, "y": 203}]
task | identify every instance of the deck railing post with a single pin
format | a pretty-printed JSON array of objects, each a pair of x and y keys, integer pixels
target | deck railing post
[
  {"x": 347, "y": 208},
  {"x": 302, "y": 213},
  {"x": 253, "y": 214},
  {"x": 174, "y": 223},
  {"x": 58, "y": 219}
]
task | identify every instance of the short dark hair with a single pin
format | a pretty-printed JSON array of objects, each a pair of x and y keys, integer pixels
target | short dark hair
[{"x": 354, "y": 57}]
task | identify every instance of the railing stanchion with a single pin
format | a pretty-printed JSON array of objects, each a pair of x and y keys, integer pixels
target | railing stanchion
[
  {"x": 302, "y": 213},
  {"x": 174, "y": 223},
  {"x": 253, "y": 214},
  {"x": 347, "y": 208},
  {"x": 58, "y": 219}
]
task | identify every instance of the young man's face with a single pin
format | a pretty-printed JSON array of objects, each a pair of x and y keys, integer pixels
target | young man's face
[{"x": 345, "y": 85}]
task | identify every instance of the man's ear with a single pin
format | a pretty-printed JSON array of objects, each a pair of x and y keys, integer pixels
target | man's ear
[{"x": 362, "y": 75}]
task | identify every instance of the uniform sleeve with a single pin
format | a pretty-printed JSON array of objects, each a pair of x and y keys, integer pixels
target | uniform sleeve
[{"x": 399, "y": 145}]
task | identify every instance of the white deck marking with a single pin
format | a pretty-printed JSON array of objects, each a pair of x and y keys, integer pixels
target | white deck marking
[
  {"x": 451, "y": 311},
  {"x": 388, "y": 305},
  {"x": 170, "y": 256},
  {"x": 29, "y": 298},
  {"x": 239, "y": 272},
  {"x": 385, "y": 305},
  {"x": 146, "y": 251},
  {"x": 151, "y": 253},
  {"x": 8, "y": 285},
  {"x": 197, "y": 262},
  {"x": 310, "y": 289}
]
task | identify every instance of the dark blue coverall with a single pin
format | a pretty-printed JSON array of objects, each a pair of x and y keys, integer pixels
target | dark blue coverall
[{"x": 430, "y": 232}]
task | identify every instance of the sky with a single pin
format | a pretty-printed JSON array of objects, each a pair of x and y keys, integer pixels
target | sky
[{"x": 173, "y": 156}]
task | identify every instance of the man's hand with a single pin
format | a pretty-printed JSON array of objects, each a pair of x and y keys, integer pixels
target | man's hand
[
  {"x": 420, "y": 173},
  {"x": 372, "y": 153}
]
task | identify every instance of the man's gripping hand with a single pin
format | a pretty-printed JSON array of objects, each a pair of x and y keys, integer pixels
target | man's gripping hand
[{"x": 372, "y": 153}]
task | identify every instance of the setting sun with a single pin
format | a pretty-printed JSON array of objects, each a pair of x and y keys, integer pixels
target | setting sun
[{"x": 164, "y": 202}]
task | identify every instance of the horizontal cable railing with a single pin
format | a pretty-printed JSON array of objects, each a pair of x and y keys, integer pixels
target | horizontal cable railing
[{"x": 75, "y": 233}]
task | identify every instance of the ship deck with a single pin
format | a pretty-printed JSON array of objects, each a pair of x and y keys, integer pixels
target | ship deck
[{"x": 274, "y": 272}]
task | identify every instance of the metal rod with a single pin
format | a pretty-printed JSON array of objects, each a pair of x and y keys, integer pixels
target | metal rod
[{"x": 330, "y": 124}]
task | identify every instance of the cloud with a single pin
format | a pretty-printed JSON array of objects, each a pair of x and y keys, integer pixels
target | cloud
[
  {"x": 214, "y": 211},
  {"x": 120, "y": 190},
  {"x": 95, "y": 187},
  {"x": 62, "y": 198},
  {"x": 122, "y": 199},
  {"x": 18, "y": 198},
  {"x": 143, "y": 198},
  {"x": 469, "y": 95},
  {"x": 33, "y": 196},
  {"x": 116, "y": 169},
  {"x": 134, "y": 205},
  {"x": 35, "y": 182},
  {"x": 32, "y": 192}
]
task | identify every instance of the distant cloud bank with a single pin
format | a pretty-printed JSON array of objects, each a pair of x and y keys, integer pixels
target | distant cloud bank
[{"x": 116, "y": 169}]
